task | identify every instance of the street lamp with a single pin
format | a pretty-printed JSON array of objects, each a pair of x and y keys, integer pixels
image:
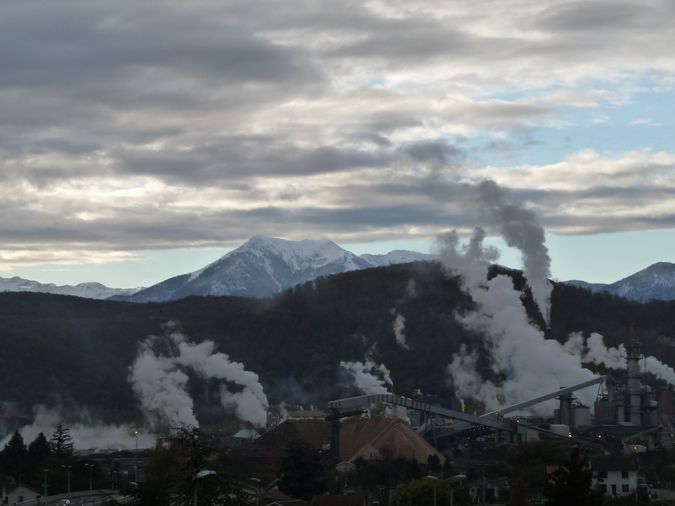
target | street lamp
[
  {"x": 435, "y": 480},
  {"x": 91, "y": 468},
  {"x": 67, "y": 468},
  {"x": 258, "y": 483},
  {"x": 136, "y": 457},
  {"x": 45, "y": 483},
  {"x": 196, "y": 479},
  {"x": 454, "y": 479}
]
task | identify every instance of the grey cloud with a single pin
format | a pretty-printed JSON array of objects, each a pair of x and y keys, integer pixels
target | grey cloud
[
  {"x": 216, "y": 95},
  {"x": 84, "y": 42},
  {"x": 437, "y": 152},
  {"x": 593, "y": 16},
  {"x": 409, "y": 42},
  {"x": 368, "y": 210},
  {"x": 245, "y": 157}
]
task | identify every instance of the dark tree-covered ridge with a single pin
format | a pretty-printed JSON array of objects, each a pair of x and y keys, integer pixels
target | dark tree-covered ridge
[{"x": 79, "y": 350}]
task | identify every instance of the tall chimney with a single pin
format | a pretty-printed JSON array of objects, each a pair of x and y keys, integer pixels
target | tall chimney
[{"x": 633, "y": 381}]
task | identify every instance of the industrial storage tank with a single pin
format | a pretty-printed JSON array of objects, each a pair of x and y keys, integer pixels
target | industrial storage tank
[
  {"x": 605, "y": 412},
  {"x": 582, "y": 416}
]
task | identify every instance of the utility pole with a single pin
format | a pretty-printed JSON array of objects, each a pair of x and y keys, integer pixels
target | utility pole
[
  {"x": 435, "y": 480},
  {"x": 136, "y": 458},
  {"x": 45, "y": 483},
  {"x": 67, "y": 468},
  {"x": 91, "y": 468}
]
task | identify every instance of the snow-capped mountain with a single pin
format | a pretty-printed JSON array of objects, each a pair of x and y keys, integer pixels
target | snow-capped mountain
[
  {"x": 656, "y": 282},
  {"x": 397, "y": 257},
  {"x": 264, "y": 266},
  {"x": 87, "y": 290}
]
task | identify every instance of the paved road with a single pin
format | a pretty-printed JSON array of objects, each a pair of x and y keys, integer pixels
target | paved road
[{"x": 96, "y": 498}]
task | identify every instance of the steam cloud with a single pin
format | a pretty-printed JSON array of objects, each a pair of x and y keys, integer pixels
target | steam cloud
[
  {"x": 596, "y": 352},
  {"x": 398, "y": 326},
  {"x": 87, "y": 433},
  {"x": 369, "y": 377},
  {"x": 524, "y": 363},
  {"x": 159, "y": 379},
  {"x": 520, "y": 229}
]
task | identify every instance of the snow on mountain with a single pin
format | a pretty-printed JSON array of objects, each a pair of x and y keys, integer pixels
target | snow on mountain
[
  {"x": 87, "y": 290},
  {"x": 397, "y": 257},
  {"x": 264, "y": 266},
  {"x": 656, "y": 282}
]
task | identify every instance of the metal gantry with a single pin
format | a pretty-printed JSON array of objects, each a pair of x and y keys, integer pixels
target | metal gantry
[{"x": 493, "y": 419}]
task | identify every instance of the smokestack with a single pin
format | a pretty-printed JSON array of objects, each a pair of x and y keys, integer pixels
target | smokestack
[{"x": 634, "y": 381}]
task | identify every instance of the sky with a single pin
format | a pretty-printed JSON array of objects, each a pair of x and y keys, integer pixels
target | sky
[{"x": 140, "y": 140}]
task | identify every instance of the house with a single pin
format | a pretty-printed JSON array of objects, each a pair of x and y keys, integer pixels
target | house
[
  {"x": 17, "y": 495},
  {"x": 615, "y": 477},
  {"x": 496, "y": 490},
  {"x": 243, "y": 437}
]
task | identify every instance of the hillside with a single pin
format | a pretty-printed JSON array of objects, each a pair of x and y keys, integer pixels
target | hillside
[{"x": 76, "y": 352}]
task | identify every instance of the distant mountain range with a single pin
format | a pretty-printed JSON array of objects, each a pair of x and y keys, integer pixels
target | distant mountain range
[
  {"x": 264, "y": 266},
  {"x": 656, "y": 282},
  {"x": 87, "y": 290}
]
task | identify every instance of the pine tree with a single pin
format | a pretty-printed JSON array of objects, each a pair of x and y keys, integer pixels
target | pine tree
[
  {"x": 61, "y": 442},
  {"x": 39, "y": 447},
  {"x": 13, "y": 456},
  {"x": 571, "y": 484}
]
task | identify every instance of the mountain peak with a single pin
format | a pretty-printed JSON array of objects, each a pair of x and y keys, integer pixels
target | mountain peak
[
  {"x": 655, "y": 282},
  {"x": 89, "y": 290},
  {"x": 265, "y": 265}
]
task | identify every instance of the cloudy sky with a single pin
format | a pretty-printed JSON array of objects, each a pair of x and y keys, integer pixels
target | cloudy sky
[{"x": 141, "y": 139}]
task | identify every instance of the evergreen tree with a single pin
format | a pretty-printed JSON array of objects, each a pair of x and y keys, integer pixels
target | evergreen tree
[
  {"x": 16, "y": 445},
  {"x": 301, "y": 472},
  {"x": 171, "y": 470},
  {"x": 13, "y": 456},
  {"x": 571, "y": 484},
  {"x": 433, "y": 463},
  {"x": 61, "y": 442},
  {"x": 39, "y": 447}
]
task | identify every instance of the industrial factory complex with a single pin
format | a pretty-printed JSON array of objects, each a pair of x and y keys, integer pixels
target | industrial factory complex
[{"x": 627, "y": 407}]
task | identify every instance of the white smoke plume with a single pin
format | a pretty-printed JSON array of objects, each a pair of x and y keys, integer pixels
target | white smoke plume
[
  {"x": 87, "y": 432},
  {"x": 369, "y": 377},
  {"x": 398, "y": 326},
  {"x": 161, "y": 387},
  {"x": 659, "y": 369},
  {"x": 595, "y": 351},
  {"x": 460, "y": 399},
  {"x": 515, "y": 350},
  {"x": 520, "y": 229},
  {"x": 159, "y": 379}
]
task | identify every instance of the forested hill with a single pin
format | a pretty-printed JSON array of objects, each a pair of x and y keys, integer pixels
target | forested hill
[{"x": 74, "y": 351}]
